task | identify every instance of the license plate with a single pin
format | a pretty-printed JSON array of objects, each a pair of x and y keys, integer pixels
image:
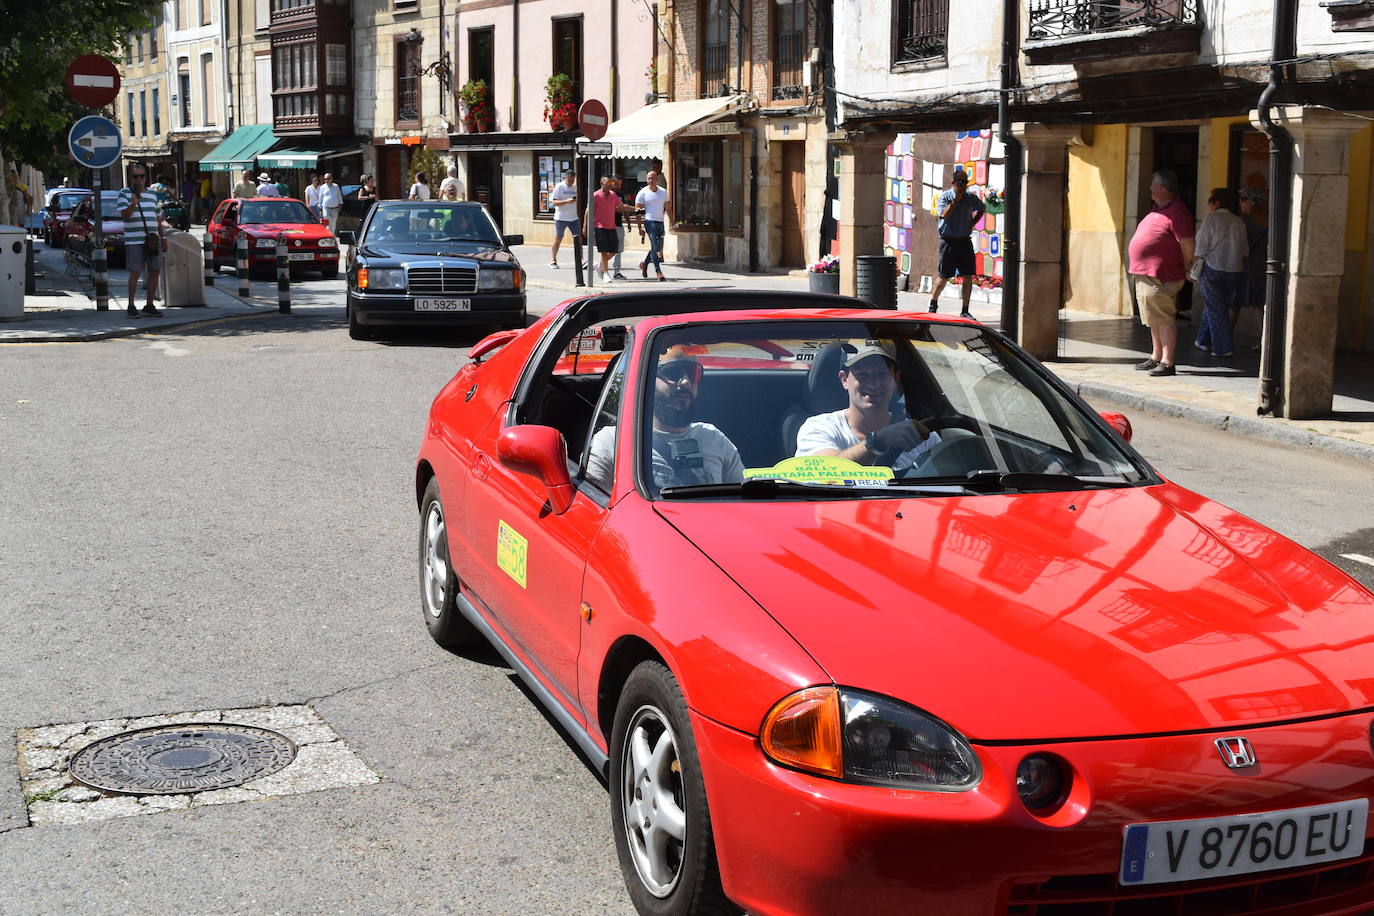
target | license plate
[
  {"x": 1220, "y": 846},
  {"x": 301, "y": 256},
  {"x": 443, "y": 305}
]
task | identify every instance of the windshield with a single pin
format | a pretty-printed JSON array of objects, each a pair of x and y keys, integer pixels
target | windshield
[
  {"x": 875, "y": 407},
  {"x": 68, "y": 201},
  {"x": 432, "y": 221},
  {"x": 275, "y": 211},
  {"x": 109, "y": 207}
]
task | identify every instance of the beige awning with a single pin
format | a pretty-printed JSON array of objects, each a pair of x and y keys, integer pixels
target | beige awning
[{"x": 643, "y": 134}]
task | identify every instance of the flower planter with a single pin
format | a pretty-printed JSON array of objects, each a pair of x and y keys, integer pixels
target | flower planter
[{"x": 824, "y": 283}]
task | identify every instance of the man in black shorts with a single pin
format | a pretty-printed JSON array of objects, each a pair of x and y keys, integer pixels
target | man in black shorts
[{"x": 959, "y": 213}]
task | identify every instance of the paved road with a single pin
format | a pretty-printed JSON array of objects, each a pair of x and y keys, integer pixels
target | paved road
[{"x": 224, "y": 517}]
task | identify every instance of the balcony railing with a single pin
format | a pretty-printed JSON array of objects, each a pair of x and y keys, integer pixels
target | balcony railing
[
  {"x": 787, "y": 66},
  {"x": 1068, "y": 18},
  {"x": 921, "y": 30},
  {"x": 713, "y": 64}
]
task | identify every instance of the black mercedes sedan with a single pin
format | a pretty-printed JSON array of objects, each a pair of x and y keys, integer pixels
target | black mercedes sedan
[{"x": 431, "y": 263}]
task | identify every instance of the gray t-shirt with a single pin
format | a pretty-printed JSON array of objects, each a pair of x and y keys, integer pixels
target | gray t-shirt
[
  {"x": 831, "y": 431},
  {"x": 709, "y": 457}
]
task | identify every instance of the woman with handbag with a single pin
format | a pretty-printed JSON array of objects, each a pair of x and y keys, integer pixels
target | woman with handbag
[{"x": 142, "y": 249}]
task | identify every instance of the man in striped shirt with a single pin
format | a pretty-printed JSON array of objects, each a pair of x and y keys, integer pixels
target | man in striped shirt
[{"x": 138, "y": 208}]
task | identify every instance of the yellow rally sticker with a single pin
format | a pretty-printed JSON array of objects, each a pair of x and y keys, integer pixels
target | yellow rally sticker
[
  {"x": 825, "y": 469},
  {"x": 512, "y": 552}
]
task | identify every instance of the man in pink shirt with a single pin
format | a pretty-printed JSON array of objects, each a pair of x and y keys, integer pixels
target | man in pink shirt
[
  {"x": 605, "y": 204},
  {"x": 1161, "y": 246}
]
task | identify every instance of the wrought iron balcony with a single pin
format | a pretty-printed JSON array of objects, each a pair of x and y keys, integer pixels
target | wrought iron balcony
[{"x": 1064, "y": 31}]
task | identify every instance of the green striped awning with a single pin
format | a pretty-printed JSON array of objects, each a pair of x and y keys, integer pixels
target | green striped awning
[{"x": 239, "y": 149}]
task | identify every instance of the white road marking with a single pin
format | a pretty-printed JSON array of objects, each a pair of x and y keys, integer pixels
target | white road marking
[
  {"x": 1358, "y": 558},
  {"x": 169, "y": 349}
]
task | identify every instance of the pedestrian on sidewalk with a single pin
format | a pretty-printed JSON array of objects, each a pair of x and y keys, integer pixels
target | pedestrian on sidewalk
[
  {"x": 451, "y": 188},
  {"x": 605, "y": 205},
  {"x": 959, "y": 212},
  {"x": 204, "y": 198},
  {"x": 420, "y": 189},
  {"x": 331, "y": 200},
  {"x": 312, "y": 196},
  {"x": 653, "y": 207},
  {"x": 246, "y": 186},
  {"x": 267, "y": 187},
  {"x": 138, "y": 206},
  {"x": 620, "y": 215},
  {"x": 563, "y": 200},
  {"x": 1221, "y": 247},
  {"x": 1159, "y": 250},
  {"x": 1255, "y": 287}
]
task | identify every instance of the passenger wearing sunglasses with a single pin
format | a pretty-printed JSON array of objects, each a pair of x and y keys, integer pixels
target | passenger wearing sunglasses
[{"x": 685, "y": 453}]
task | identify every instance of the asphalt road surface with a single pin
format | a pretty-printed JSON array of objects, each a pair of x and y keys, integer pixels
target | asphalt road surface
[{"x": 224, "y": 517}]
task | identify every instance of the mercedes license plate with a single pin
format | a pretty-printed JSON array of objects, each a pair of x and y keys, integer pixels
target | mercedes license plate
[
  {"x": 301, "y": 256},
  {"x": 1216, "y": 847},
  {"x": 443, "y": 305}
]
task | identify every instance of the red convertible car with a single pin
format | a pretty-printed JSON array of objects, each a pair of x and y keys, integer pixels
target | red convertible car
[
  {"x": 309, "y": 245},
  {"x": 866, "y": 612}
]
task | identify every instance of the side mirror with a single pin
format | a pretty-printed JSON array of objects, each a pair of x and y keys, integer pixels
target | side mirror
[
  {"x": 541, "y": 452},
  {"x": 511, "y": 240},
  {"x": 1118, "y": 422},
  {"x": 347, "y": 238},
  {"x": 491, "y": 343}
]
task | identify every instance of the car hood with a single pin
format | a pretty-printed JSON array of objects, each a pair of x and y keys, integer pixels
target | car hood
[
  {"x": 1132, "y": 611},
  {"x": 401, "y": 251},
  {"x": 290, "y": 230}
]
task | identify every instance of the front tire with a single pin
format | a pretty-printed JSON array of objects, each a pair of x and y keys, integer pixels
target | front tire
[
  {"x": 355, "y": 330},
  {"x": 659, "y": 815},
  {"x": 438, "y": 584}
]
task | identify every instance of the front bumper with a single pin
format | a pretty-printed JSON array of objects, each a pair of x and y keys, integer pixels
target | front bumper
[
  {"x": 794, "y": 844},
  {"x": 398, "y": 309}
]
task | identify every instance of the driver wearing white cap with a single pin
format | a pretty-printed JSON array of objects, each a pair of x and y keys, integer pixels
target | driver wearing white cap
[{"x": 867, "y": 431}]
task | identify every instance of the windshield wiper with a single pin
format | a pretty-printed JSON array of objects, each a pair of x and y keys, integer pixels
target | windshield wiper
[
  {"x": 1030, "y": 480},
  {"x": 464, "y": 238},
  {"x": 770, "y": 487}
]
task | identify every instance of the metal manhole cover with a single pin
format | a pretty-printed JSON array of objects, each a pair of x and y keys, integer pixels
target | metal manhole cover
[{"x": 171, "y": 759}]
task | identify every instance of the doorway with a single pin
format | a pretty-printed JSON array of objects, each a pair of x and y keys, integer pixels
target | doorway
[
  {"x": 484, "y": 183},
  {"x": 793, "y": 203},
  {"x": 390, "y": 173}
]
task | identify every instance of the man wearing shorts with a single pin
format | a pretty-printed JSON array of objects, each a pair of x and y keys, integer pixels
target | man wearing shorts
[
  {"x": 563, "y": 199},
  {"x": 606, "y": 204},
  {"x": 139, "y": 210},
  {"x": 1161, "y": 246},
  {"x": 959, "y": 213}
]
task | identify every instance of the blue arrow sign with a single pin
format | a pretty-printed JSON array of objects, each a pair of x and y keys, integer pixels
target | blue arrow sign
[{"x": 95, "y": 142}]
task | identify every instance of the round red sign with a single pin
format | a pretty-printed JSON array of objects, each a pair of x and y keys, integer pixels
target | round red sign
[
  {"x": 592, "y": 119},
  {"x": 93, "y": 81}
]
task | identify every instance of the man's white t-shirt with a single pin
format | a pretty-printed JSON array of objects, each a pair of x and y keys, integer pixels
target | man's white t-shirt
[
  {"x": 419, "y": 191},
  {"x": 831, "y": 431},
  {"x": 454, "y": 185},
  {"x": 269, "y": 189},
  {"x": 719, "y": 459},
  {"x": 564, "y": 200},
  {"x": 653, "y": 203}
]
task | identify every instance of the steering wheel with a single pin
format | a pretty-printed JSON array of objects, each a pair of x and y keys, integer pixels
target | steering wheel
[{"x": 953, "y": 421}]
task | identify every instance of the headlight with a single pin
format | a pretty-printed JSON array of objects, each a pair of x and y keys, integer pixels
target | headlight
[
  {"x": 329, "y": 243},
  {"x": 381, "y": 278},
  {"x": 496, "y": 279},
  {"x": 265, "y": 243},
  {"x": 867, "y": 738}
]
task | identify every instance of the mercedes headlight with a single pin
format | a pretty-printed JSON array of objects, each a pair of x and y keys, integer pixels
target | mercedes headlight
[
  {"x": 381, "y": 278},
  {"x": 497, "y": 279},
  {"x": 868, "y": 738}
]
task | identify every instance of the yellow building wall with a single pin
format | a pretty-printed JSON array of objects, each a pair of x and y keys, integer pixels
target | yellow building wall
[{"x": 1095, "y": 274}]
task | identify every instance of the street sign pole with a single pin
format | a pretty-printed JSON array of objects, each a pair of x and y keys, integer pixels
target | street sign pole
[
  {"x": 98, "y": 263},
  {"x": 590, "y": 226},
  {"x": 592, "y": 121},
  {"x": 95, "y": 142}
]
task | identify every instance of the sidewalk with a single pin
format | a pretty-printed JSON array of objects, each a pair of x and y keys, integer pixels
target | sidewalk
[{"x": 1097, "y": 353}]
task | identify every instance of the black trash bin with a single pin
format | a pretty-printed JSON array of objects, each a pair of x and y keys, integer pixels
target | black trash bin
[{"x": 875, "y": 280}]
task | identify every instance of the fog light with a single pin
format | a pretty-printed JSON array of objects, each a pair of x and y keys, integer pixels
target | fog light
[{"x": 1042, "y": 782}]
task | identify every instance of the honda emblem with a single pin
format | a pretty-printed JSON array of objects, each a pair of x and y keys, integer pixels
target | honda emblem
[{"x": 1236, "y": 753}]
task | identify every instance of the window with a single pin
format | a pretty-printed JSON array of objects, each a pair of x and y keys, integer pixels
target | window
[
  {"x": 567, "y": 52},
  {"x": 407, "y": 82},
  {"x": 207, "y": 88},
  {"x": 157, "y": 114},
  {"x": 789, "y": 47},
  {"x": 697, "y": 199},
  {"x": 549, "y": 173},
  {"x": 262, "y": 78},
  {"x": 715, "y": 45},
  {"x": 919, "y": 30},
  {"x": 262, "y": 14},
  {"x": 734, "y": 184},
  {"x": 336, "y": 65},
  {"x": 129, "y": 121},
  {"x": 183, "y": 90},
  {"x": 205, "y": 11},
  {"x": 482, "y": 60},
  {"x": 152, "y": 43},
  {"x": 142, "y": 113},
  {"x": 184, "y": 14}
]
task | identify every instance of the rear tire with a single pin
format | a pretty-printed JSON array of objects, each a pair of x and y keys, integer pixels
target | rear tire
[
  {"x": 438, "y": 584},
  {"x": 659, "y": 816}
]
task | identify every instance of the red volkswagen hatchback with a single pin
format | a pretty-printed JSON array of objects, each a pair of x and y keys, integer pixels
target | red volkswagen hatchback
[
  {"x": 863, "y": 612},
  {"x": 309, "y": 245}
]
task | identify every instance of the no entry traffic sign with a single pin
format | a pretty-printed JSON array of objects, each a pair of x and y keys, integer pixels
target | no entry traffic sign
[
  {"x": 95, "y": 142},
  {"x": 592, "y": 119},
  {"x": 93, "y": 81}
]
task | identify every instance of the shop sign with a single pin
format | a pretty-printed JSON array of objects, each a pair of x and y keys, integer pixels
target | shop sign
[{"x": 711, "y": 129}]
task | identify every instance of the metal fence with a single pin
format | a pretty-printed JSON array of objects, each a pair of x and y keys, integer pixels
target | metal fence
[
  {"x": 787, "y": 65},
  {"x": 920, "y": 29},
  {"x": 1063, "y": 18}
]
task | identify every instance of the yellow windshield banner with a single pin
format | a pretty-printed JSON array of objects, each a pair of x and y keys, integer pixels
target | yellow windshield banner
[
  {"x": 512, "y": 552},
  {"x": 825, "y": 469}
]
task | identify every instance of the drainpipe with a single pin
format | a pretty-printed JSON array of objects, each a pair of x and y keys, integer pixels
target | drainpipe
[
  {"x": 1011, "y": 217},
  {"x": 1280, "y": 212},
  {"x": 515, "y": 67},
  {"x": 615, "y": 60},
  {"x": 755, "y": 138}
]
